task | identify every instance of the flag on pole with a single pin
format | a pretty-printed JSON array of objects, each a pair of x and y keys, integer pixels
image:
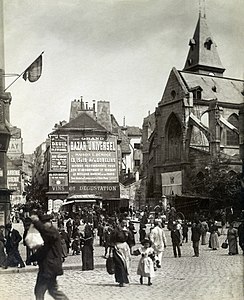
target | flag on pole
[{"x": 34, "y": 71}]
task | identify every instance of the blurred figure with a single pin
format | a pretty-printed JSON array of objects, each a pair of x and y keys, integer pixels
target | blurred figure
[
  {"x": 131, "y": 237},
  {"x": 158, "y": 239},
  {"x": 176, "y": 240},
  {"x": 205, "y": 229},
  {"x": 27, "y": 222},
  {"x": 49, "y": 259},
  {"x": 196, "y": 232},
  {"x": 232, "y": 235},
  {"x": 214, "y": 234},
  {"x": 87, "y": 250},
  {"x": 185, "y": 232},
  {"x": 75, "y": 246},
  {"x": 13, "y": 239}
]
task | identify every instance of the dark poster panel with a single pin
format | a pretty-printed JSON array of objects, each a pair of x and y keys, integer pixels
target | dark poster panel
[
  {"x": 105, "y": 190},
  {"x": 58, "y": 182},
  {"x": 59, "y": 162},
  {"x": 59, "y": 143}
]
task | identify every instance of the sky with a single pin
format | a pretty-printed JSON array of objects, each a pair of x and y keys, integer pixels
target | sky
[{"x": 120, "y": 51}]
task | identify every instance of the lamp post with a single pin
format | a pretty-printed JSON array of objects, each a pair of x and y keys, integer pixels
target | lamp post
[{"x": 5, "y": 99}]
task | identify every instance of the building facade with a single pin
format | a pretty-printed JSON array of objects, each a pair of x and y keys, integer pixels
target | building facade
[
  {"x": 196, "y": 121},
  {"x": 82, "y": 159}
]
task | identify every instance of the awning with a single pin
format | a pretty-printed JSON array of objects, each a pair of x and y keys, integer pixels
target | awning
[{"x": 79, "y": 201}]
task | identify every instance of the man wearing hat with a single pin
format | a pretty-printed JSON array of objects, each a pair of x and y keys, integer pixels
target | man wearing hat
[
  {"x": 49, "y": 259},
  {"x": 13, "y": 239}
]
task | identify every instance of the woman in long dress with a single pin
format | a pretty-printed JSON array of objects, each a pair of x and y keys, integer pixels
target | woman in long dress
[
  {"x": 121, "y": 253},
  {"x": 87, "y": 248},
  {"x": 232, "y": 235},
  {"x": 214, "y": 234}
]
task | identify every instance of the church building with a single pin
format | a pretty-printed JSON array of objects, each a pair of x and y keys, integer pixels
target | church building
[{"x": 196, "y": 121}]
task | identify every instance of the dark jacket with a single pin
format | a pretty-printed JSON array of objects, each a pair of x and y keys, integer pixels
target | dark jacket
[
  {"x": 12, "y": 240},
  {"x": 49, "y": 256},
  {"x": 175, "y": 236},
  {"x": 196, "y": 232}
]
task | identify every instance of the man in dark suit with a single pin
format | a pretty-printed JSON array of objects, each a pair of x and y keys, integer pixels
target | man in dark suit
[
  {"x": 49, "y": 259},
  {"x": 196, "y": 232},
  {"x": 13, "y": 239}
]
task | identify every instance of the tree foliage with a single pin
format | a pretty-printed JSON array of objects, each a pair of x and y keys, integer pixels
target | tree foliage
[{"x": 217, "y": 182}]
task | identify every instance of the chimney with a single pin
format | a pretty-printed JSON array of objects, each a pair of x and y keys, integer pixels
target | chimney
[{"x": 103, "y": 114}]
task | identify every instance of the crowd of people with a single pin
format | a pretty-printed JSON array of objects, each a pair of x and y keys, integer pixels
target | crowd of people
[{"x": 116, "y": 234}]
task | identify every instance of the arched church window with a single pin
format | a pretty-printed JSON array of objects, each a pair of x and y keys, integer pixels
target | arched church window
[
  {"x": 232, "y": 136},
  {"x": 174, "y": 139},
  {"x": 208, "y": 43}
]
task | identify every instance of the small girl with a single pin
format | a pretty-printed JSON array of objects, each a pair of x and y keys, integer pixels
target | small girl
[{"x": 146, "y": 262}]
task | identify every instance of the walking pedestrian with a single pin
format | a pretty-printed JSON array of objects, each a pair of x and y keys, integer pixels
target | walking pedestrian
[
  {"x": 158, "y": 239},
  {"x": 13, "y": 239},
  {"x": 131, "y": 237},
  {"x": 146, "y": 263},
  {"x": 87, "y": 248},
  {"x": 49, "y": 259},
  {"x": 196, "y": 232},
  {"x": 121, "y": 253},
  {"x": 232, "y": 235},
  {"x": 185, "y": 232},
  {"x": 176, "y": 240},
  {"x": 204, "y": 232},
  {"x": 214, "y": 234},
  {"x": 27, "y": 222}
]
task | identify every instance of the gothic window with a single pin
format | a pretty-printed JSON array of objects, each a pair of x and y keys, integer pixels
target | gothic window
[
  {"x": 208, "y": 43},
  {"x": 232, "y": 136},
  {"x": 174, "y": 139}
]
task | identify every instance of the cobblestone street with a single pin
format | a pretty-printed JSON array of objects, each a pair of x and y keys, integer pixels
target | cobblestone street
[{"x": 214, "y": 275}]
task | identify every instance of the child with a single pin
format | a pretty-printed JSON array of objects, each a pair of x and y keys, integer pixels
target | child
[
  {"x": 146, "y": 262},
  {"x": 76, "y": 246}
]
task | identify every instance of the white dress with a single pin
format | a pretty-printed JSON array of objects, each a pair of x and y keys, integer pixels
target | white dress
[{"x": 146, "y": 266}]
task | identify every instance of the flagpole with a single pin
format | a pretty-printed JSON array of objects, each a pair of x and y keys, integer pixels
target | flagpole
[{"x": 21, "y": 74}]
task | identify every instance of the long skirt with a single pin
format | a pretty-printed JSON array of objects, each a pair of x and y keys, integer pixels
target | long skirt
[
  {"x": 233, "y": 248},
  {"x": 87, "y": 258},
  {"x": 120, "y": 269}
]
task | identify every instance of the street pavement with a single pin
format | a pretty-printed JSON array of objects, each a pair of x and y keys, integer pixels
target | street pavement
[{"x": 214, "y": 275}]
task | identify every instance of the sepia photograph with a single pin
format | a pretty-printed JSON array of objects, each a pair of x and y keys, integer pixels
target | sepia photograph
[{"x": 121, "y": 149}]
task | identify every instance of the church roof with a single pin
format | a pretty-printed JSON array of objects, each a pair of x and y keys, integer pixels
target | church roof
[
  {"x": 203, "y": 55},
  {"x": 223, "y": 89}
]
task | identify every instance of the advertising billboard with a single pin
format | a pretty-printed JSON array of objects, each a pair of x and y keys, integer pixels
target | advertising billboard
[
  {"x": 58, "y": 182},
  {"x": 93, "y": 159},
  {"x": 59, "y": 162},
  {"x": 14, "y": 181},
  {"x": 59, "y": 143}
]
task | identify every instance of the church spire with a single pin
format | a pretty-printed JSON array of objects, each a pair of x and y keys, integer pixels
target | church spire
[{"x": 203, "y": 57}]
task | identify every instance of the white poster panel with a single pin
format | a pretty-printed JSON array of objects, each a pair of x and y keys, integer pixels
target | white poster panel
[
  {"x": 93, "y": 159},
  {"x": 171, "y": 183}
]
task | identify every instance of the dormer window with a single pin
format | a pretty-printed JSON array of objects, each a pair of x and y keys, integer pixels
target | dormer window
[
  {"x": 208, "y": 43},
  {"x": 197, "y": 93},
  {"x": 173, "y": 94},
  {"x": 192, "y": 43}
]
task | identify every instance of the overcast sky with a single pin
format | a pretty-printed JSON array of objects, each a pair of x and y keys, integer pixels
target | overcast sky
[{"x": 120, "y": 51}]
